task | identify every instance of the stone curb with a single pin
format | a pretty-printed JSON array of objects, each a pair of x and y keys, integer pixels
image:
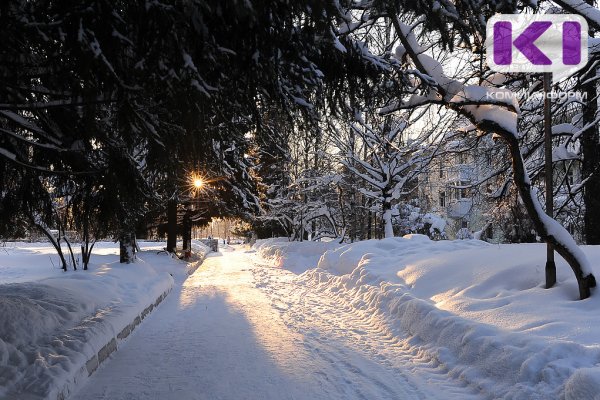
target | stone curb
[
  {"x": 97, "y": 359},
  {"x": 88, "y": 368},
  {"x": 93, "y": 363}
]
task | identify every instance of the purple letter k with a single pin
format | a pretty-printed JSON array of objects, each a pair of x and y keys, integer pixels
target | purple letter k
[{"x": 525, "y": 43}]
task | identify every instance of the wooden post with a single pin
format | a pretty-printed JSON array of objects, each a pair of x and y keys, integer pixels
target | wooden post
[{"x": 550, "y": 264}]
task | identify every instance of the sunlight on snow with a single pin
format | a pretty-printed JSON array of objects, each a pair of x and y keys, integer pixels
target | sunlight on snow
[{"x": 236, "y": 287}]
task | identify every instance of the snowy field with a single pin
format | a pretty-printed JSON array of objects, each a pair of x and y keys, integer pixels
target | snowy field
[
  {"x": 477, "y": 311},
  {"x": 52, "y": 322}
]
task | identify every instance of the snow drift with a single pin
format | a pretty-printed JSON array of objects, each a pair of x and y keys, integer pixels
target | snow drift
[{"x": 480, "y": 310}]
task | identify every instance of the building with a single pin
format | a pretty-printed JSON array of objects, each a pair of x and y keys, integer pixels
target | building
[{"x": 453, "y": 187}]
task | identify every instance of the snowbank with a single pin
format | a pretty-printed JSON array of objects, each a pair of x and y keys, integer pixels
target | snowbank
[
  {"x": 479, "y": 310},
  {"x": 294, "y": 256},
  {"x": 199, "y": 252},
  {"x": 55, "y": 331}
]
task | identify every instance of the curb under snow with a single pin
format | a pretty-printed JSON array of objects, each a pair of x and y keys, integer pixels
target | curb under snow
[
  {"x": 63, "y": 389},
  {"x": 99, "y": 336}
]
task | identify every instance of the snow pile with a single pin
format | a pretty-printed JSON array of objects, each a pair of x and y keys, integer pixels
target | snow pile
[
  {"x": 52, "y": 327},
  {"x": 199, "y": 252},
  {"x": 477, "y": 309},
  {"x": 295, "y": 256},
  {"x": 199, "y": 249},
  {"x": 344, "y": 259}
]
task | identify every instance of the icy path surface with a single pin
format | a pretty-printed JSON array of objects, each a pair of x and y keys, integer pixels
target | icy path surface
[{"x": 240, "y": 330}]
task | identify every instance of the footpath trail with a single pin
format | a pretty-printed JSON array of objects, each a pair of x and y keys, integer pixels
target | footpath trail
[{"x": 236, "y": 329}]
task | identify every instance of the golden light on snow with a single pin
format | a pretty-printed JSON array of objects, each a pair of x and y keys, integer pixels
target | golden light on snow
[{"x": 233, "y": 288}]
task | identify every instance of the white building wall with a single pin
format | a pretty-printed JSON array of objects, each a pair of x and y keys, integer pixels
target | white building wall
[{"x": 446, "y": 189}]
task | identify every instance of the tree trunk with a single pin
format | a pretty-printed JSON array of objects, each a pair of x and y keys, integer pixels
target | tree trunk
[
  {"x": 302, "y": 223},
  {"x": 86, "y": 248},
  {"x": 590, "y": 167},
  {"x": 86, "y": 252},
  {"x": 172, "y": 226},
  {"x": 58, "y": 248},
  {"x": 388, "y": 228},
  {"x": 343, "y": 214},
  {"x": 127, "y": 248},
  {"x": 560, "y": 237},
  {"x": 52, "y": 239},
  {"x": 70, "y": 252},
  {"x": 187, "y": 235},
  {"x": 369, "y": 225},
  {"x": 549, "y": 178}
]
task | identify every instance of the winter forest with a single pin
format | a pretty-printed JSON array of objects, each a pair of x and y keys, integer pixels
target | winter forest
[
  {"x": 299, "y": 199},
  {"x": 310, "y": 119}
]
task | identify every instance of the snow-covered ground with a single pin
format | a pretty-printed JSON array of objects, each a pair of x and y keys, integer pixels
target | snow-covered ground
[
  {"x": 477, "y": 311},
  {"x": 223, "y": 337},
  {"x": 53, "y": 322},
  {"x": 402, "y": 318}
]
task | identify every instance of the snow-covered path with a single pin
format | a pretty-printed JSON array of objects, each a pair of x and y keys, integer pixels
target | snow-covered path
[{"x": 241, "y": 330}]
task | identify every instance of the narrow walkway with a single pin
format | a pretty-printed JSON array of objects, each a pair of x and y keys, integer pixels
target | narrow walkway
[{"x": 221, "y": 336}]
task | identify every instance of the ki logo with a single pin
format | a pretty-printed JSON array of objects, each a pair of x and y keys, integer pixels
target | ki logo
[{"x": 537, "y": 44}]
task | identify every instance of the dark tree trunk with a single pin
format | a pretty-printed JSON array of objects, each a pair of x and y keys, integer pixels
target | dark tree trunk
[
  {"x": 71, "y": 252},
  {"x": 86, "y": 252},
  {"x": 585, "y": 282},
  {"x": 172, "y": 226},
  {"x": 187, "y": 235},
  {"x": 549, "y": 178},
  {"x": 369, "y": 222},
  {"x": 590, "y": 167},
  {"x": 301, "y": 228},
  {"x": 86, "y": 246},
  {"x": 56, "y": 245},
  {"x": 343, "y": 214},
  {"x": 55, "y": 242},
  {"x": 127, "y": 248}
]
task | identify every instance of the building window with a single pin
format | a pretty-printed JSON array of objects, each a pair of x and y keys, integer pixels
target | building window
[
  {"x": 464, "y": 224},
  {"x": 570, "y": 175},
  {"x": 441, "y": 171},
  {"x": 463, "y": 193},
  {"x": 442, "y": 199},
  {"x": 460, "y": 193}
]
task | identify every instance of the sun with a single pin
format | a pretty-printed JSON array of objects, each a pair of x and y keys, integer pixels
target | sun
[{"x": 198, "y": 182}]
